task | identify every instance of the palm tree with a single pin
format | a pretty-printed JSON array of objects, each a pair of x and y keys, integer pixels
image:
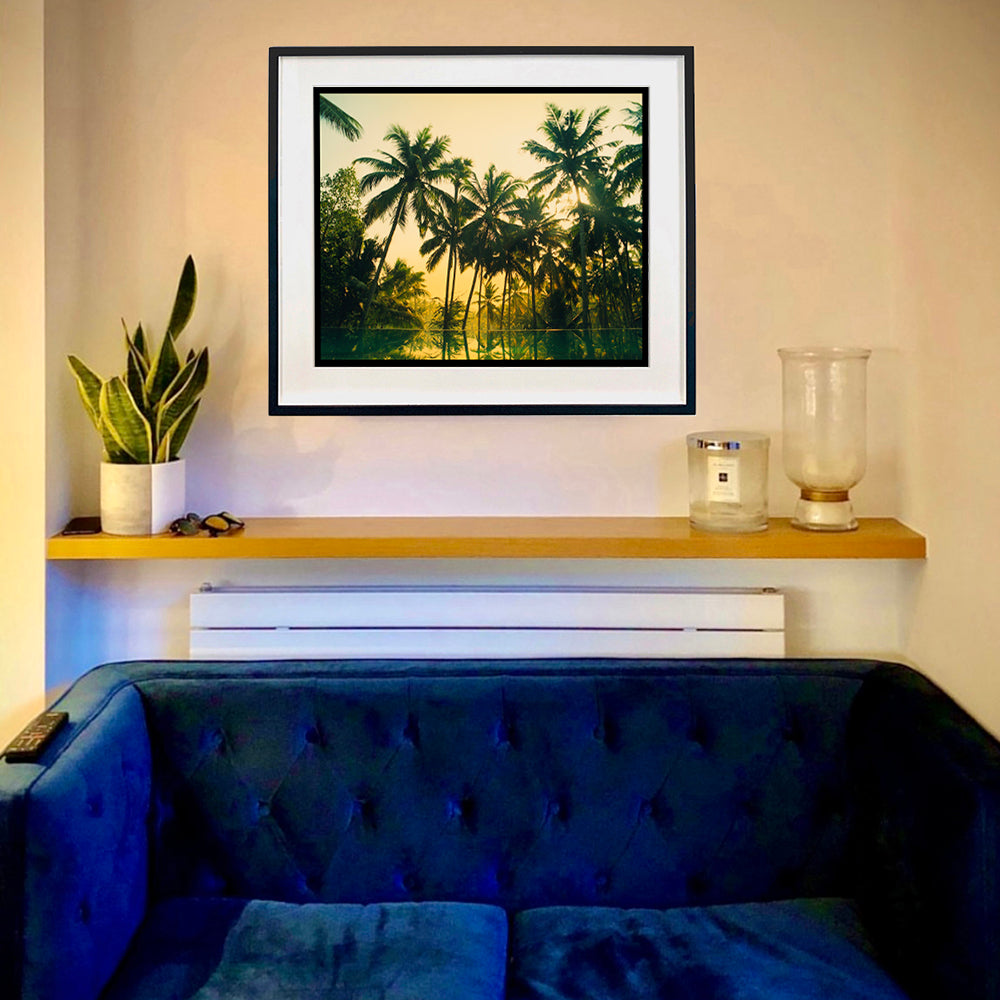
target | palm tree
[
  {"x": 347, "y": 126},
  {"x": 402, "y": 289},
  {"x": 486, "y": 256},
  {"x": 539, "y": 231},
  {"x": 445, "y": 234},
  {"x": 613, "y": 225},
  {"x": 507, "y": 260},
  {"x": 411, "y": 172},
  {"x": 447, "y": 227},
  {"x": 491, "y": 200},
  {"x": 488, "y": 304},
  {"x": 556, "y": 278},
  {"x": 628, "y": 161},
  {"x": 396, "y": 312},
  {"x": 571, "y": 157},
  {"x": 460, "y": 171}
]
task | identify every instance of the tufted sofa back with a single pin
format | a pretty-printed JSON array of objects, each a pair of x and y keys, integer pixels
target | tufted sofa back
[{"x": 520, "y": 783}]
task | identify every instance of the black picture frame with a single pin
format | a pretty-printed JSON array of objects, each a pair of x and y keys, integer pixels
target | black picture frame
[{"x": 657, "y": 377}]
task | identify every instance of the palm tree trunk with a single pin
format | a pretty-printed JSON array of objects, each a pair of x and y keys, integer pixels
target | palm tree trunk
[
  {"x": 381, "y": 263},
  {"x": 449, "y": 298},
  {"x": 602, "y": 304},
  {"x": 626, "y": 259},
  {"x": 534, "y": 314},
  {"x": 465, "y": 336},
  {"x": 489, "y": 315},
  {"x": 479, "y": 320},
  {"x": 444, "y": 316},
  {"x": 451, "y": 257},
  {"x": 503, "y": 302},
  {"x": 626, "y": 292},
  {"x": 468, "y": 301},
  {"x": 584, "y": 292},
  {"x": 510, "y": 313}
]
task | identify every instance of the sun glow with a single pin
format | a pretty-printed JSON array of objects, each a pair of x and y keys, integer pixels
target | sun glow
[{"x": 564, "y": 207}]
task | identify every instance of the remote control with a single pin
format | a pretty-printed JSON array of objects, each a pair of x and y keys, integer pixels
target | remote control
[{"x": 30, "y": 743}]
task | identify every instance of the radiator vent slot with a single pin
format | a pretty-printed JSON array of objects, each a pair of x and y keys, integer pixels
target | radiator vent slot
[{"x": 484, "y": 621}]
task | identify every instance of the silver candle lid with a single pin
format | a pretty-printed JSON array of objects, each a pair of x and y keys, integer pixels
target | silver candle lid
[{"x": 725, "y": 440}]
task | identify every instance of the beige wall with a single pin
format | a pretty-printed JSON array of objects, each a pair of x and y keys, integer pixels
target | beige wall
[
  {"x": 845, "y": 194},
  {"x": 171, "y": 157},
  {"x": 946, "y": 291},
  {"x": 22, "y": 368}
]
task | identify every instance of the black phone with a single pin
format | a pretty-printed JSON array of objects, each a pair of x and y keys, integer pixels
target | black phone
[{"x": 83, "y": 526}]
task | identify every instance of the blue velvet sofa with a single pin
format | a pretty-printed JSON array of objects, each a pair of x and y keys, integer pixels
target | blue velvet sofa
[{"x": 707, "y": 830}]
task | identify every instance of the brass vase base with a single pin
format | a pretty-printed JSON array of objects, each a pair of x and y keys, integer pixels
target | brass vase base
[{"x": 824, "y": 511}]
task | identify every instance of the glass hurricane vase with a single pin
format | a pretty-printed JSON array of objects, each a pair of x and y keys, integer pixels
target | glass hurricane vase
[{"x": 823, "y": 417}]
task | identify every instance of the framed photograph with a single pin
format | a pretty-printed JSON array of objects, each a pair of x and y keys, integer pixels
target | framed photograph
[{"x": 482, "y": 230}]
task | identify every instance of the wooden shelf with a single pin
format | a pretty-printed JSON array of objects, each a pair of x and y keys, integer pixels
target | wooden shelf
[{"x": 500, "y": 538}]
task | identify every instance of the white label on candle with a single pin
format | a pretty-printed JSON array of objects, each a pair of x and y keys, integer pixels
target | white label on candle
[{"x": 723, "y": 479}]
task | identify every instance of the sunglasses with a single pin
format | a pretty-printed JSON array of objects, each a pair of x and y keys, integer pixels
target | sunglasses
[{"x": 215, "y": 524}]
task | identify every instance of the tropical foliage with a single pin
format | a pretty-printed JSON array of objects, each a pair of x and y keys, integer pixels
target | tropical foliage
[
  {"x": 144, "y": 415},
  {"x": 339, "y": 119},
  {"x": 546, "y": 267}
]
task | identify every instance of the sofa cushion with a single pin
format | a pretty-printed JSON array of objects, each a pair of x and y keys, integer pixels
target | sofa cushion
[
  {"x": 788, "y": 950},
  {"x": 223, "y": 949}
]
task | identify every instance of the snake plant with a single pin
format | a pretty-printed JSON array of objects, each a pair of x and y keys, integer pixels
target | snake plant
[{"x": 144, "y": 415}]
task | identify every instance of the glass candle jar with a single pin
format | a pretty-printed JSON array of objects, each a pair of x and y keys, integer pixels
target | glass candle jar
[
  {"x": 823, "y": 416},
  {"x": 727, "y": 480}
]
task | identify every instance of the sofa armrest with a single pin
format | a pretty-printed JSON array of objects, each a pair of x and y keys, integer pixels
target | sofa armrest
[
  {"x": 927, "y": 780},
  {"x": 74, "y": 848}
]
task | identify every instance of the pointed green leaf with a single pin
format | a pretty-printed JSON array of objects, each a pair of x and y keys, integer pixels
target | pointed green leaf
[
  {"x": 180, "y": 431},
  {"x": 132, "y": 345},
  {"x": 135, "y": 379},
  {"x": 89, "y": 385},
  {"x": 186, "y": 388},
  {"x": 187, "y": 292},
  {"x": 137, "y": 343},
  {"x": 142, "y": 345},
  {"x": 162, "y": 371},
  {"x": 124, "y": 422}
]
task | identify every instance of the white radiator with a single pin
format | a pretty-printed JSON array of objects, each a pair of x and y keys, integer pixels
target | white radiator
[{"x": 480, "y": 621}]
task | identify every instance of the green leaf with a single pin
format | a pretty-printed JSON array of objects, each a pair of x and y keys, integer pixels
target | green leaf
[
  {"x": 112, "y": 451},
  {"x": 163, "y": 450},
  {"x": 123, "y": 421},
  {"x": 180, "y": 431},
  {"x": 89, "y": 385},
  {"x": 346, "y": 125},
  {"x": 170, "y": 444},
  {"x": 138, "y": 346},
  {"x": 187, "y": 292},
  {"x": 135, "y": 379},
  {"x": 141, "y": 342},
  {"x": 185, "y": 390},
  {"x": 162, "y": 372}
]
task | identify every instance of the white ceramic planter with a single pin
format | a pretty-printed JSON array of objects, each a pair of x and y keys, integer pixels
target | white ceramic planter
[{"x": 141, "y": 499}]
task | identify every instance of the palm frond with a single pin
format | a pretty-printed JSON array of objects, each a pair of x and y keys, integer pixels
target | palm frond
[
  {"x": 347, "y": 126},
  {"x": 383, "y": 202},
  {"x": 382, "y": 170},
  {"x": 541, "y": 152}
]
